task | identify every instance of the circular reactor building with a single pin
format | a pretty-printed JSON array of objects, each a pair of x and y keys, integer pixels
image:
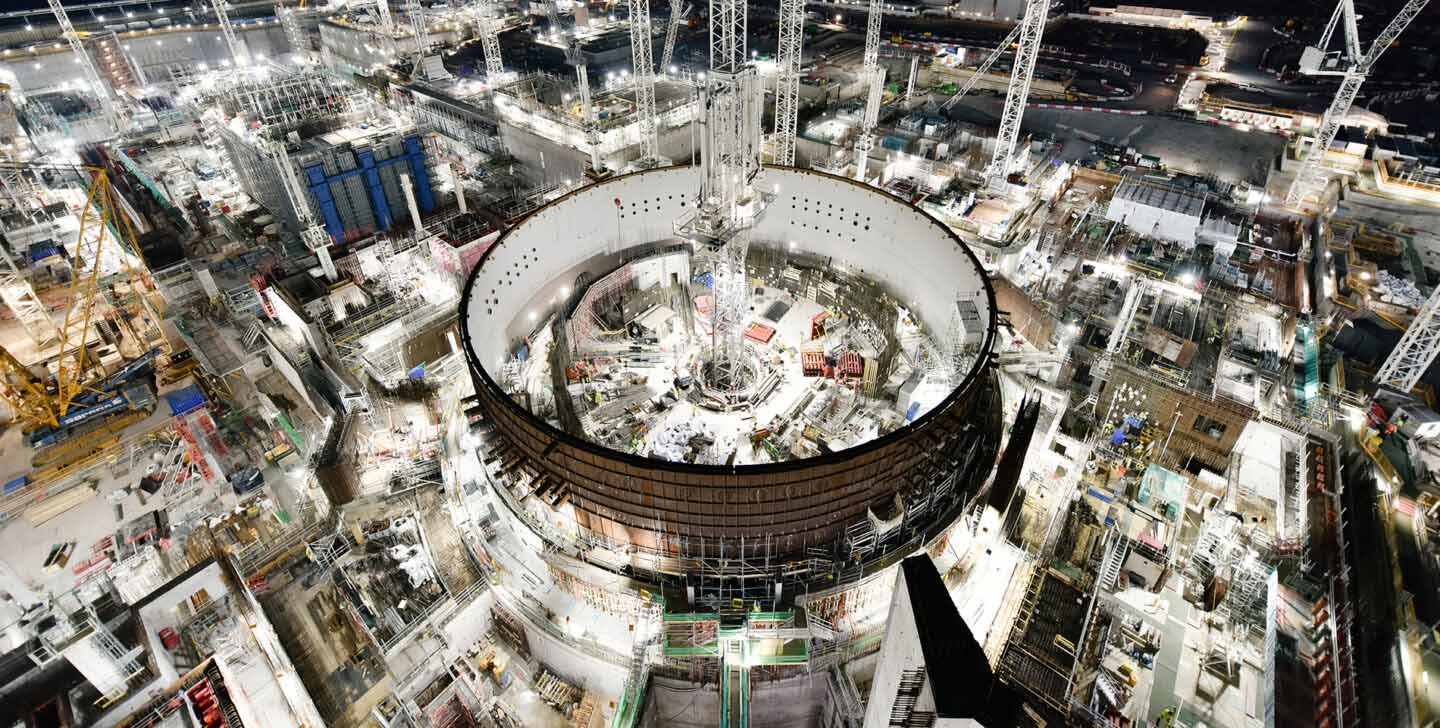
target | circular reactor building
[{"x": 868, "y": 419}]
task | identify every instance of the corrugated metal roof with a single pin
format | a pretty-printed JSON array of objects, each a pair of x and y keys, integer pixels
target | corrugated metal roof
[{"x": 1160, "y": 195}]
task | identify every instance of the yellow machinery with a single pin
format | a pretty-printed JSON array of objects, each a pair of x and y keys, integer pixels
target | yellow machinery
[{"x": 38, "y": 396}]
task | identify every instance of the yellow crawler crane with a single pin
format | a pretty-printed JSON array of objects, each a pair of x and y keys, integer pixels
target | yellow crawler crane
[{"x": 40, "y": 396}]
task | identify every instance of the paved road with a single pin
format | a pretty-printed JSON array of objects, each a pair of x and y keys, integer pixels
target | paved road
[{"x": 1181, "y": 144}]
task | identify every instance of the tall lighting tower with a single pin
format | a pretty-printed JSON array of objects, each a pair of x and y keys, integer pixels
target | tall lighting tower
[
  {"x": 92, "y": 74},
  {"x": 729, "y": 202},
  {"x": 787, "y": 79},
  {"x": 874, "y": 77},
  {"x": 643, "y": 59},
  {"x": 1352, "y": 68},
  {"x": 238, "y": 53},
  {"x": 1031, "y": 27}
]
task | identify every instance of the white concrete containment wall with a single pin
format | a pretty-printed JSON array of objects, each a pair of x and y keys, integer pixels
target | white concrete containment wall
[{"x": 858, "y": 227}]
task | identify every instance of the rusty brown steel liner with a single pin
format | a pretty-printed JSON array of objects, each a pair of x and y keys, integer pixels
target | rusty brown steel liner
[
  {"x": 781, "y": 508},
  {"x": 793, "y": 505}
]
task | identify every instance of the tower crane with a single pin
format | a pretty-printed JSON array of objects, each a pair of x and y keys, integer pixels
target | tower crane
[
  {"x": 312, "y": 233},
  {"x": 641, "y": 50},
  {"x": 421, "y": 69},
  {"x": 874, "y": 77},
  {"x": 575, "y": 57},
  {"x": 387, "y": 24},
  {"x": 92, "y": 73},
  {"x": 729, "y": 201},
  {"x": 552, "y": 14},
  {"x": 1352, "y": 67},
  {"x": 1030, "y": 29},
  {"x": 787, "y": 78},
  {"x": 294, "y": 32},
  {"x": 239, "y": 55},
  {"x": 58, "y": 397},
  {"x": 489, "y": 26},
  {"x": 679, "y": 10},
  {"x": 985, "y": 65}
]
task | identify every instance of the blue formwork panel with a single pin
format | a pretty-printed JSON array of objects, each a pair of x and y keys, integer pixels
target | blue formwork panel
[
  {"x": 368, "y": 169},
  {"x": 185, "y": 400}
]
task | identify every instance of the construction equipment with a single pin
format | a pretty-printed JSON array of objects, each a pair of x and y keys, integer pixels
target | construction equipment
[
  {"x": 874, "y": 77},
  {"x": 1416, "y": 350},
  {"x": 426, "y": 67},
  {"x": 1031, "y": 28},
  {"x": 641, "y": 37},
  {"x": 679, "y": 10},
  {"x": 92, "y": 73},
  {"x": 238, "y": 53},
  {"x": 787, "y": 78},
  {"x": 488, "y": 25},
  {"x": 984, "y": 67},
  {"x": 575, "y": 57},
  {"x": 41, "y": 398},
  {"x": 552, "y": 14},
  {"x": 1352, "y": 68},
  {"x": 312, "y": 233},
  {"x": 118, "y": 391}
]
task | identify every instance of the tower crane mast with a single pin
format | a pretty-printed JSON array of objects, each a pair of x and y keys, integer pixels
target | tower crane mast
[
  {"x": 874, "y": 77},
  {"x": 575, "y": 57},
  {"x": 1354, "y": 68},
  {"x": 238, "y": 53},
  {"x": 489, "y": 26},
  {"x": 312, "y": 234},
  {"x": 92, "y": 73},
  {"x": 787, "y": 78},
  {"x": 1031, "y": 27},
  {"x": 641, "y": 50},
  {"x": 387, "y": 24},
  {"x": 679, "y": 10},
  {"x": 729, "y": 203},
  {"x": 417, "y": 27},
  {"x": 42, "y": 398},
  {"x": 294, "y": 31},
  {"x": 426, "y": 66},
  {"x": 985, "y": 65}
]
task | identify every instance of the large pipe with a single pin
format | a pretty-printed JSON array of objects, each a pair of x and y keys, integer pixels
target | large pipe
[
  {"x": 414, "y": 208},
  {"x": 459, "y": 189}
]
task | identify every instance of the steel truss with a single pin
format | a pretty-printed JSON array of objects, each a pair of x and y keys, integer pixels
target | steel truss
[
  {"x": 1311, "y": 180},
  {"x": 92, "y": 73},
  {"x": 1031, "y": 28},
  {"x": 787, "y": 79},
  {"x": 641, "y": 39},
  {"x": 874, "y": 77}
]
